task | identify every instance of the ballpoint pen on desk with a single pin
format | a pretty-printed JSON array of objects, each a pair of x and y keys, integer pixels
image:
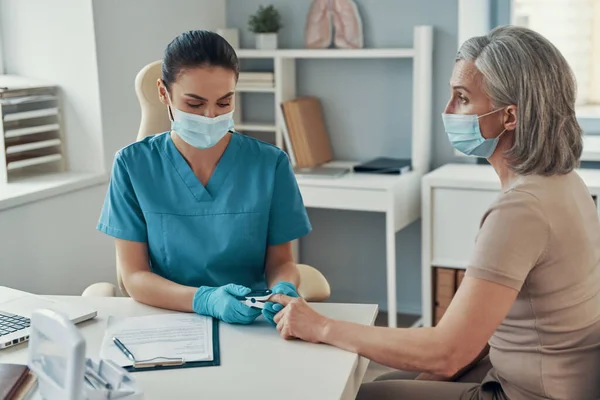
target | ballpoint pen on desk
[{"x": 124, "y": 349}]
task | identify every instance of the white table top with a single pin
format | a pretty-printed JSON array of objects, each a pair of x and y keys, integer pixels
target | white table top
[
  {"x": 255, "y": 362},
  {"x": 472, "y": 176}
]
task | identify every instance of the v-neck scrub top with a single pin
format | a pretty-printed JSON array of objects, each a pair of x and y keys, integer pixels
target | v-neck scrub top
[{"x": 205, "y": 235}]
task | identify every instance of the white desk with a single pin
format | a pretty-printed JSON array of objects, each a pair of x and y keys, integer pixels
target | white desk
[
  {"x": 255, "y": 362},
  {"x": 454, "y": 198},
  {"x": 398, "y": 196}
]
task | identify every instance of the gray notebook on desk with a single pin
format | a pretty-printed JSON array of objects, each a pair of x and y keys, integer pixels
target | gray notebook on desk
[{"x": 321, "y": 172}]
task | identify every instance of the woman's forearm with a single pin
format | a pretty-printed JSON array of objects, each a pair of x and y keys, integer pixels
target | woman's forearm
[
  {"x": 416, "y": 349},
  {"x": 287, "y": 272},
  {"x": 154, "y": 290}
]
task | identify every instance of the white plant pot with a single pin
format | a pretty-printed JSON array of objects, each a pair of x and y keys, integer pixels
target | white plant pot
[{"x": 266, "y": 41}]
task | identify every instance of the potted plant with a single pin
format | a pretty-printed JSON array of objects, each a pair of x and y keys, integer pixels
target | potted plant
[{"x": 265, "y": 24}]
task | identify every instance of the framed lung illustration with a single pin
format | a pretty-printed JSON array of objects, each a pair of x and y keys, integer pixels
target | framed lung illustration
[{"x": 333, "y": 23}]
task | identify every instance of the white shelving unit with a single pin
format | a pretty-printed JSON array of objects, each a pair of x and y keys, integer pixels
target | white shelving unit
[
  {"x": 30, "y": 127},
  {"x": 398, "y": 196}
]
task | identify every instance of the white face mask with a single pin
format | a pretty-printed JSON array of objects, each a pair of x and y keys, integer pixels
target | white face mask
[{"x": 200, "y": 131}]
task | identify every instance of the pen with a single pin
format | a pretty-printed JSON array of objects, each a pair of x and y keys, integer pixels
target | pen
[
  {"x": 90, "y": 372},
  {"x": 89, "y": 381},
  {"x": 123, "y": 349}
]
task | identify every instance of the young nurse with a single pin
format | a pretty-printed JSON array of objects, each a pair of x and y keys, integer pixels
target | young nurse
[{"x": 201, "y": 214}]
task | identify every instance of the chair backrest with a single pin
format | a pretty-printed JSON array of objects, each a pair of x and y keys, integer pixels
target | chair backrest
[{"x": 155, "y": 117}]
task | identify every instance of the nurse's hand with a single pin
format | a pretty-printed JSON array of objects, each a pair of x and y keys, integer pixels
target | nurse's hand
[
  {"x": 271, "y": 309},
  {"x": 221, "y": 303}
]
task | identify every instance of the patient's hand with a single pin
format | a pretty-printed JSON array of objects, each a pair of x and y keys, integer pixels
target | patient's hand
[{"x": 298, "y": 320}]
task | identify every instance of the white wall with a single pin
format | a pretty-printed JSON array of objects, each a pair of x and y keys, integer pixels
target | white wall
[
  {"x": 129, "y": 35},
  {"x": 51, "y": 246},
  {"x": 54, "y": 41}
]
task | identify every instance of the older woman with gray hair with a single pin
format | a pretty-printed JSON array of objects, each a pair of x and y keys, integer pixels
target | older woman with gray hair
[{"x": 531, "y": 291}]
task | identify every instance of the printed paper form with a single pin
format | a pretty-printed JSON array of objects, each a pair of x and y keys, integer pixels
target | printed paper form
[{"x": 187, "y": 336}]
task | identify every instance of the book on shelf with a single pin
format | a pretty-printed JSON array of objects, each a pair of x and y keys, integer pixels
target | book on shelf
[
  {"x": 256, "y": 76},
  {"x": 261, "y": 84},
  {"x": 286, "y": 137},
  {"x": 307, "y": 132},
  {"x": 256, "y": 80}
]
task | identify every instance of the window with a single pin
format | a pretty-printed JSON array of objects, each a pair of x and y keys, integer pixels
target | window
[{"x": 573, "y": 26}]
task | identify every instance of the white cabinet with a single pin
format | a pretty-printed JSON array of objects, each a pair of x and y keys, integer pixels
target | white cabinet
[
  {"x": 454, "y": 198},
  {"x": 453, "y": 232}
]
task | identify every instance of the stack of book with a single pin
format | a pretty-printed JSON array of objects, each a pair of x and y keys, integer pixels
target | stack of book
[
  {"x": 17, "y": 382},
  {"x": 256, "y": 79}
]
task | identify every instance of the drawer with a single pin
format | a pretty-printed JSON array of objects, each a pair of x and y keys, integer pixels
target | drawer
[{"x": 456, "y": 215}]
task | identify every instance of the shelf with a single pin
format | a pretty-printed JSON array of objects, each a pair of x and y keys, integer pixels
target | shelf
[
  {"x": 255, "y": 127},
  {"x": 28, "y": 99},
  {"x": 47, "y": 112},
  {"x": 34, "y": 161},
  {"x": 32, "y": 146},
  {"x": 255, "y": 89},
  {"x": 31, "y": 130},
  {"x": 328, "y": 53}
]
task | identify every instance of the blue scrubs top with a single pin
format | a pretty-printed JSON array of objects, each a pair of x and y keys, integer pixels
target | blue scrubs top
[{"x": 205, "y": 235}]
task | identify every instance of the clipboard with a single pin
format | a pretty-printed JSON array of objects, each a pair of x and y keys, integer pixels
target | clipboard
[
  {"x": 139, "y": 341},
  {"x": 215, "y": 362}
]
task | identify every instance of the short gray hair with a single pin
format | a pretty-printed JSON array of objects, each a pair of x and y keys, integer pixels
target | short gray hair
[{"x": 521, "y": 67}]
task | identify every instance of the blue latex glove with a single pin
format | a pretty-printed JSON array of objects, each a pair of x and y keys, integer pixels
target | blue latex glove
[
  {"x": 221, "y": 303},
  {"x": 271, "y": 309}
]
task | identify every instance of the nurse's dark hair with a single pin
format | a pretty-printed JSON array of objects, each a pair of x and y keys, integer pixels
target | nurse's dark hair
[{"x": 195, "y": 49}]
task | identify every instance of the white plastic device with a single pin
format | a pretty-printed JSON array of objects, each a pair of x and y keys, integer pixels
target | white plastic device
[
  {"x": 56, "y": 355},
  {"x": 257, "y": 299}
]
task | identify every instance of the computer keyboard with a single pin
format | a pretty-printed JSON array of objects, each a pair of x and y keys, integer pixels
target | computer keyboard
[{"x": 10, "y": 323}]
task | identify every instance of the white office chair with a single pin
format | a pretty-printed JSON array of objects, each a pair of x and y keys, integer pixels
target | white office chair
[{"x": 313, "y": 285}]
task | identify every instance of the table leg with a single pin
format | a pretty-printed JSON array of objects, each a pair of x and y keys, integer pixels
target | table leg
[{"x": 390, "y": 250}]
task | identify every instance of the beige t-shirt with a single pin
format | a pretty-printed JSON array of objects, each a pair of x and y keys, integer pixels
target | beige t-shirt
[{"x": 542, "y": 237}]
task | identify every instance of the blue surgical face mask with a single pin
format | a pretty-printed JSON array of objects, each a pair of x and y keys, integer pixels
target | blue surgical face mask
[
  {"x": 197, "y": 130},
  {"x": 465, "y": 135}
]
